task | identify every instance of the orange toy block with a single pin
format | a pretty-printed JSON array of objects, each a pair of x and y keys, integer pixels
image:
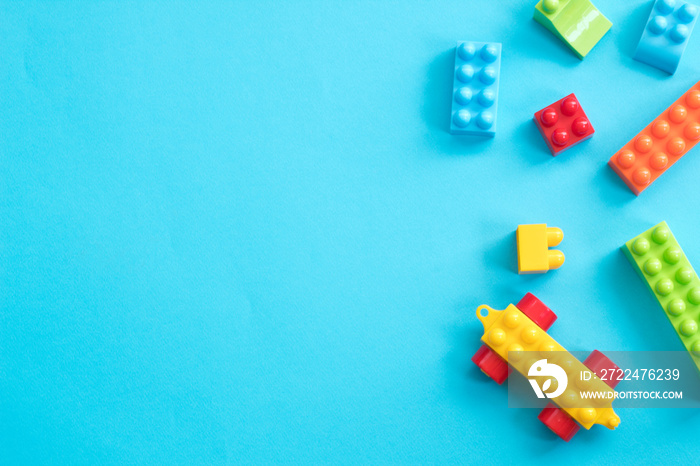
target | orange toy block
[{"x": 661, "y": 144}]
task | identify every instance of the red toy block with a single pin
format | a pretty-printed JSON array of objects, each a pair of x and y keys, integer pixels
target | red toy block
[
  {"x": 558, "y": 422},
  {"x": 536, "y": 310},
  {"x": 603, "y": 367},
  {"x": 563, "y": 124},
  {"x": 492, "y": 364}
]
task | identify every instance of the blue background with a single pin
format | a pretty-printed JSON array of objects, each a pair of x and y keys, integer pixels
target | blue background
[{"x": 239, "y": 232}]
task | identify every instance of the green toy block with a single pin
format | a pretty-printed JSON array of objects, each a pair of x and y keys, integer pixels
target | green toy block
[
  {"x": 577, "y": 22},
  {"x": 659, "y": 260}
]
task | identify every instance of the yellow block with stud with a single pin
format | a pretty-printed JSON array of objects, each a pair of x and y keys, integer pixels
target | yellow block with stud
[
  {"x": 520, "y": 342},
  {"x": 534, "y": 241}
]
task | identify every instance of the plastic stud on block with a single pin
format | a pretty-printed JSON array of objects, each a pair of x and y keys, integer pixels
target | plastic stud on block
[
  {"x": 536, "y": 310},
  {"x": 578, "y": 23},
  {"x": 492, "y": 364},
  {"x": 534, "y": 241},
  {"x": 558, "y": 422},
  {"x": 475, "y": 88},
  {"x": 661, "y": 144},
  {"x": 604, "y": 368},
  {"x": 659, "y": 260},
  {"x": 666, "y": 34},
  {"x": 563, "y": 124}
]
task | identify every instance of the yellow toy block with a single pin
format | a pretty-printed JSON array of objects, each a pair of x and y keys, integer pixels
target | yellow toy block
[
  {"x": 534, "y": 241},
  {"x": 520, "y": 342}
]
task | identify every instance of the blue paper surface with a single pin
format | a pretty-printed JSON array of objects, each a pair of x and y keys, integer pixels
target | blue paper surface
[{"x": 241, "y": 233}]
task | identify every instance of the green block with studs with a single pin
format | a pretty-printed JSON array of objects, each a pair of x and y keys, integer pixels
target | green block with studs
[
  {"x": 576, "y": 22},
  {"x": 660, "y": 261}
]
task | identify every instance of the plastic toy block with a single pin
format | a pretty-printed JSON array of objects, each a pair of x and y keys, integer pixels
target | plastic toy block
[
  {"x": 563, "y": 124},
  {"x": 661, "y": 144},
  {"x": 659, "y": 260},
  {"x": 534, "y": 241},
  {"x": 576, "y": 22},
  {"x": 490, "y": 362},
  {"x": 558, "y": 422},
  {"x": 511, "y": 333},
  {"x": 475, "y": 89},
  {"x": 536, "y": 311},
  {"x": 666, "y": 34},
  {"x": 556, "y": 419},
  {"x": 600, "y": 364}
]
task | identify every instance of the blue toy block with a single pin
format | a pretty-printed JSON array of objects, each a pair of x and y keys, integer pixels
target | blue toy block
[
  {"x": 666, "y": 34},
  {"x": 475, "y": 88}
]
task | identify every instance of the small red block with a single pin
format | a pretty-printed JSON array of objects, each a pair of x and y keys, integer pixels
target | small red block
[
  {"x": 604, "y": 368},
  {"x": 558, "y": 422},
  {"x": 492, "y": 364},
  {"x": 563, "y": 124},
  {"x": 537, "y": 311}
]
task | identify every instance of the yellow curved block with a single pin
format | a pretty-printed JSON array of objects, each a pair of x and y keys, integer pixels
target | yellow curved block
[
  {"x": 510, "y": 333},
  {"x": 533, "y": 243}
]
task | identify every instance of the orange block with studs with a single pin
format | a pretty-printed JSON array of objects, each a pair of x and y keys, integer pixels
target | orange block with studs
[{"x": 661, "y": 144}]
